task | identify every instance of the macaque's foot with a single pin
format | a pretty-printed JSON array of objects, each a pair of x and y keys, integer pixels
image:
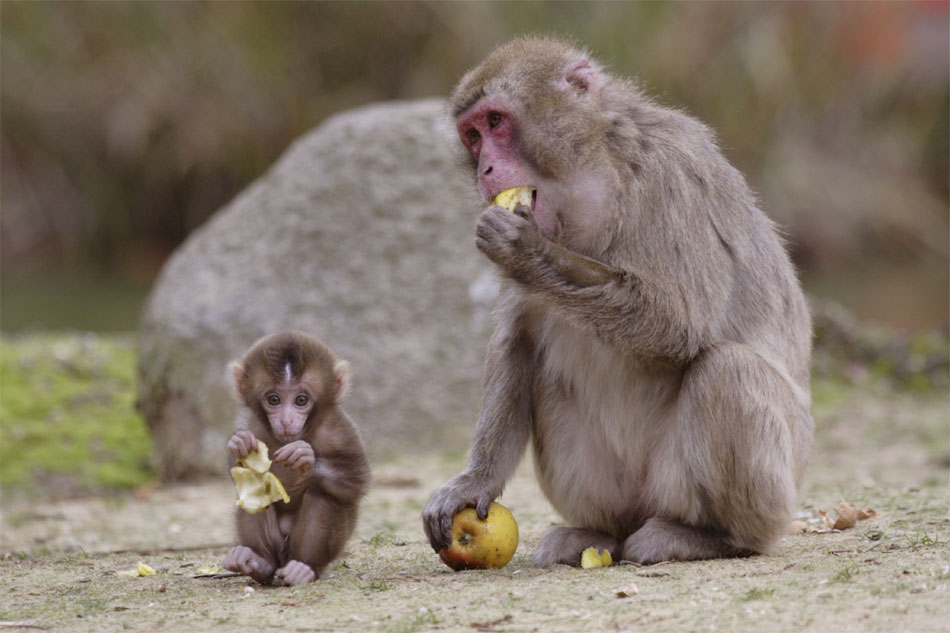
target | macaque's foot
[
  {"x": 564, "y": 545},
  {"x": 295, "y": 573},
  {"x": 246, "y": 561},
  {"x": 659, "y": 540}
]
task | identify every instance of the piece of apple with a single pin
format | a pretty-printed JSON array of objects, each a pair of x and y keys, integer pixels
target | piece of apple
[
  {"x": 511, "y": 198},
  {"x": 591, "y": 558},
  {"x": 255, "y": 485},
  {"x": 478, "y": 544}
]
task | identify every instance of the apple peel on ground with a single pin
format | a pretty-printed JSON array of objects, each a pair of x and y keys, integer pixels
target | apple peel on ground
[
  {"x": 591, "y": 558},
  {"x": 141, "y": 569},
  {"x": 255, "y": 485}
]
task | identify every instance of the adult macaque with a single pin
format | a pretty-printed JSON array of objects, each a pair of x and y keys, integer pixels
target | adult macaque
[
  {"x": 291, "y": 387},
  {"x": 651, "y": 337}
]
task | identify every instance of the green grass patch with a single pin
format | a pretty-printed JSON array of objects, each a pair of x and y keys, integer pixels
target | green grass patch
[{"x": 68, "y": 423}]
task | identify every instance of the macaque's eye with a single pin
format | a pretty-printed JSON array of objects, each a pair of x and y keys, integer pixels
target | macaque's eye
[
  {"x": 494, "y": 119},
  {"x": 273, "y": 400},
  {"x": 472, "y": 136},
  {"x": 302, "y": 400}
]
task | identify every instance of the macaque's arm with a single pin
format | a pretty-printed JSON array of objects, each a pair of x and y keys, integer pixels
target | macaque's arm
[{"x": 636, "y": 314}]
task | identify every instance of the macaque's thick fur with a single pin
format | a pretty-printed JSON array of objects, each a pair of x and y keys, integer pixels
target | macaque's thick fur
[
  {"x": 651, "y": 341},
  {"x": 322, "y": 464}
]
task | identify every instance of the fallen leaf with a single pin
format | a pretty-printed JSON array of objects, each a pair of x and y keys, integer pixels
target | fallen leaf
[
  {"x": 288, "y": 602},
  {"x": 847, "y": 517},
  {"x": 626, "y": 592},
  {"x": 797, "y": 527}
]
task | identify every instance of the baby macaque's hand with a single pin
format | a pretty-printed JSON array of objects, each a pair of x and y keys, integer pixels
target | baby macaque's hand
[
  {"x": 242, "y": 443},
  {"x": 297, "y": 455}
]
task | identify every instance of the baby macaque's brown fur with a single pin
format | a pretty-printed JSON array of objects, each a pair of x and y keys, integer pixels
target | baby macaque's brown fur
[
  {"x": 291, "y": 386},
  {"x": 651, "y": 338}
]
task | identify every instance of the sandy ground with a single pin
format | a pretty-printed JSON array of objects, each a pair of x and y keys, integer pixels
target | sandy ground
[{"x": 889, "y": 573}]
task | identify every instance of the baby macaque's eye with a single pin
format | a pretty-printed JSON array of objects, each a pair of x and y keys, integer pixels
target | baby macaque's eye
[
  {"x": 273, "y": 400},
  {"x": 473, "y": 136},
  {"x": 494, "y": 119},
  {"x": 302, "y": 400}
]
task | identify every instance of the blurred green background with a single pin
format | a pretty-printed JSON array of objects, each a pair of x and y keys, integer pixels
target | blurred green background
[{"x": 124, "y": 125}]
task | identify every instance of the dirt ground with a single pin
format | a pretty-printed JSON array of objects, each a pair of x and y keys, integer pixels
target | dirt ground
[{"x": 889, "y": 573}]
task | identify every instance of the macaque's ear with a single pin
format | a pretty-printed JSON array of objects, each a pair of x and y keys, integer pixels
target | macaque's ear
[
  {"x": 341, "y": 380},
  {"x": 237, "y": 372},
  {"x": 582, "y": 77}
]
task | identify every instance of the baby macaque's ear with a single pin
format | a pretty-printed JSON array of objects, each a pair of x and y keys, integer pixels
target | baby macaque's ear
[
  {"x": 237, "y": 372},
  {"x": 341, "y": 380}
]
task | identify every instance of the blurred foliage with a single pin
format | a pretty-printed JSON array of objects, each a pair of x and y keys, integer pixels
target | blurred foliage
[
  {"x": 846, "y": 351},
  {"x": 67, "y": 418},
  {"x": 124, "y": 125}
]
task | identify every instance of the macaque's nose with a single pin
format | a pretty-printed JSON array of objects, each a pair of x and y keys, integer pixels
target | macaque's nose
[{"x": 488, "y": 171}]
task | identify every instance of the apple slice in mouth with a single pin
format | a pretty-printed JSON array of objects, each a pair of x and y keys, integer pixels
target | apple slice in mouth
[{"x": 516, "y": 196}]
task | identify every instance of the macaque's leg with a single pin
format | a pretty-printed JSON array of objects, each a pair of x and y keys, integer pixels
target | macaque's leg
[
  {"x": 320, "y": 530},
  {"x": 260, "y": 539},
  {"x": 738, "y": 427},
  {"x": 564, "y": 545}
]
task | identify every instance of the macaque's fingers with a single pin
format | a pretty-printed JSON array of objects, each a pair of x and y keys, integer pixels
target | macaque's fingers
[
  {"x": 523, "y": 211},
  {"x": 298, "y": 455},
  {"x": 242, "y": 443},
  {"x": 481, "y": 509},
  {"x": 447, "y": 501},
  {"x": 246, "y": 561},
  {"x": 495, "y": 234},
  {"x": 295, "y": 573},
  {"x": 504, "y": 237}
]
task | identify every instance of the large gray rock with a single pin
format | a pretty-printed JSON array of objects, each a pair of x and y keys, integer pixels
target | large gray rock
[{"x": 362, "y": 234}]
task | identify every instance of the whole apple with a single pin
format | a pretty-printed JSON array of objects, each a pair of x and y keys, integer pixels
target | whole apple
[{"x": 478, "y": 544}]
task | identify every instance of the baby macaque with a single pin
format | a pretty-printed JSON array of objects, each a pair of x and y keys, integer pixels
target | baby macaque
[{"x": 291, "y": 386}]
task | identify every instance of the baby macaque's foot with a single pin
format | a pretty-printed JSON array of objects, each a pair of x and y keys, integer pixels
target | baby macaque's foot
[
  {"x": 295, "y": 573},
  {"x": 246, "y": 561}
]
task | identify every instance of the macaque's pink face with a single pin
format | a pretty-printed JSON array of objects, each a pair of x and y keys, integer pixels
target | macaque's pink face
[
  {"x": 488, "y": 130},
  {"x": 288, "y": 405}
]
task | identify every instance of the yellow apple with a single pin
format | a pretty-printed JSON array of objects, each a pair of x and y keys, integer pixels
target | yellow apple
[{"x": 478, "y": 544}]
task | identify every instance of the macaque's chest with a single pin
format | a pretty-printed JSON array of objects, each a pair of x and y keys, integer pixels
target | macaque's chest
[
  {"x": 596, "y": 415},
  {"x": 587, "y": 384}
]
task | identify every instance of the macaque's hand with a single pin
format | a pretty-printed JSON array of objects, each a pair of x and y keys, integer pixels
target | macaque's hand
[
  {"x": 294, "y": 573},
  {"x": 462, "y": 491},
  {"x": 242, "y": 443},
  {"x": 297, "y": 455},
  {"x": 246, "y": 561},
  {"x": 507, "y": 237}
]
